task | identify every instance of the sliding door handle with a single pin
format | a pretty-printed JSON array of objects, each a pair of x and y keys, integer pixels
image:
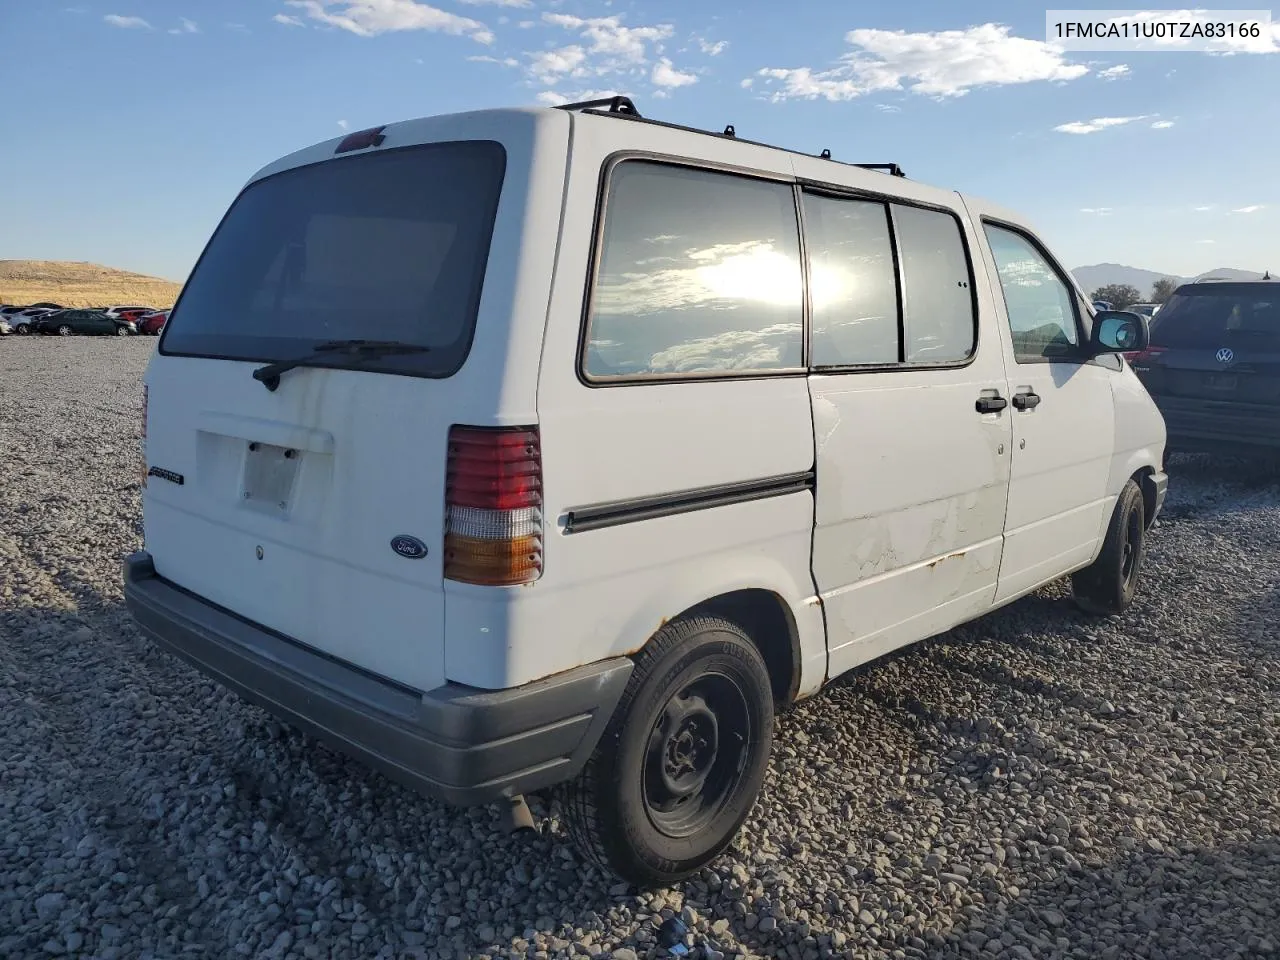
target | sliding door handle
[
  {"x": 1026, "y": 401},
  {"x": 991, "y": 404}
]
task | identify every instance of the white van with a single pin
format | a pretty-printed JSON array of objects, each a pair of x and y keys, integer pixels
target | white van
[{"x": 536, "y": 448}]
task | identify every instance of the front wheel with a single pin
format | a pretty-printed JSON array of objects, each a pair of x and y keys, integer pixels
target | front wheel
[
  {"x": 683, "y": 758},
  {"x": 65, "y": 331},
  {"x": 22, "y": 330},
  {"x": 1109, "y": 584},
  {"x": 122, "y": 331}
]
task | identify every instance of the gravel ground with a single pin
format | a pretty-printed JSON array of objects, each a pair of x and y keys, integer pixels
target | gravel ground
[{"x": 1037, "y": 784}]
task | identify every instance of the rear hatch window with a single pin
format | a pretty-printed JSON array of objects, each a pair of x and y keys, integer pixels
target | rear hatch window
[
  {"x": 1216, "y": 317},
  {"x": 388, "y": 246}
]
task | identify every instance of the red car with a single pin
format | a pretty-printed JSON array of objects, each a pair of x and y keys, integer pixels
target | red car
[{"x": 152, "y": 323}]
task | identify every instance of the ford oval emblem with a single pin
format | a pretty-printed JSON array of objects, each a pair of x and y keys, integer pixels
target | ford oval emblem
[{"x": 410, "y": 547}]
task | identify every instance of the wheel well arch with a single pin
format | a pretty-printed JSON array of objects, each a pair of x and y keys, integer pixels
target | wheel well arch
[
  {"x": 1143, "y": 477},
  {"x": 767, "y": 619}
]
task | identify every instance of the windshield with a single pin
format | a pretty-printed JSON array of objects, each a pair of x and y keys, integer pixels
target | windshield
[
  {"x": 1210, "y": 319},
  {"x": 385, "y": 246}
]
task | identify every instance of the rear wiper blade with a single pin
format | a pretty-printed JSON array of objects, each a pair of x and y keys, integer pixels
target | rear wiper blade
[{"x": 269, "y": 376}]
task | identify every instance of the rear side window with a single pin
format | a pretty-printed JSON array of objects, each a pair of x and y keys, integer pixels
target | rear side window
[
  {"x": 698, "y": 273},
  {"x": 937, "y": 301},
  {"x": 852, "y": 284},
  {"x": 869, "y": 309},
  {"x": 1213, "y": 318},
  {"x": 382, "y": 246}
]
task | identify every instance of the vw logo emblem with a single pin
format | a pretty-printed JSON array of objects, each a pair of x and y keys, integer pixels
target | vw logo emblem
[{"x": 1225, "y": 355}]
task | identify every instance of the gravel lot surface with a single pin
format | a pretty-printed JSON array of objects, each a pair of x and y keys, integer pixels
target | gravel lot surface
[{"x": 1037, "y": 784}]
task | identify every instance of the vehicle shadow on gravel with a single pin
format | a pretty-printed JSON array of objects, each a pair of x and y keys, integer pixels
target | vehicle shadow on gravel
[{"x": 1152, "y": 901}]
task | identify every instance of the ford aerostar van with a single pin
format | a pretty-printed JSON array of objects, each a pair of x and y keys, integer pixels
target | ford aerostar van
[{"x": 556, "y": 448}]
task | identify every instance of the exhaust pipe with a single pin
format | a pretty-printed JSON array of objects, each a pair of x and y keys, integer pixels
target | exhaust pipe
[{"x": 516, "y": 817}]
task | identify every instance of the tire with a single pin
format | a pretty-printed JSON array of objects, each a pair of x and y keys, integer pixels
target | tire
[
  {"x": 122, "y": 331},
  {"x": 696, "y": 678},
  {"x": 1108, "y": 585},
  {"x": 22, "y": 330},
  {"x": 65, "y": 331}
]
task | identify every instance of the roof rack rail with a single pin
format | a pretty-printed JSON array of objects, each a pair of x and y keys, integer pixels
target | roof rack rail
[
  {"x": 619, "y": 105},
  {"x": 625, "y": 108},
  {"x": 890, "y": 168}
]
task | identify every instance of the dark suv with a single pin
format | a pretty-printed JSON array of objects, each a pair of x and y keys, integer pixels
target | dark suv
[{"x": 1213, "y": 367}]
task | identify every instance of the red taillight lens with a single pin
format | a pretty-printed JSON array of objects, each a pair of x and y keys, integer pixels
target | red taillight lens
[
  {"x": 145, "y": 398},
  {"x": 1143, "y": 356},
  {"x": 493, "y": 500}
]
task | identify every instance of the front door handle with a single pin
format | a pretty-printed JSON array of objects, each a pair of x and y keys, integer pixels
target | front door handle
[
  {"x": 991, "y": 404},
  {"x": 1026, "y": 401}
]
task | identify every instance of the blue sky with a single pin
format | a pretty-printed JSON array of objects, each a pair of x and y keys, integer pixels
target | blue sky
[{"x": 131, "y": 124}]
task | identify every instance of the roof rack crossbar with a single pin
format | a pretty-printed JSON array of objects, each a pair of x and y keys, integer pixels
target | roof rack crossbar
[{"x": 624, "y": 108}]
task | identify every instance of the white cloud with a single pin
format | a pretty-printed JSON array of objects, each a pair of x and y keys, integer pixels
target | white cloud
[
  {"x": 343, "y": 125},
  {"x": 287, "y": 20},
  {"x": 369, "y": 18},
  {"x": 550, "y": 65},
  {"x": 888, "y": 108},
  {"x": 1162, "y": 125},
  {"x": 500, "y": 61},
  {"x": 128, "y": 23},
  {"x": 1253, "y": 208},
  {"x": 712, "y": 49},
  {"x": 946, "y": 63},
  {"x": 747, "y": 82},
  {"x": 497, "y": 3},
  {"x": 1097, "y": 211},
  {"x": 1094, "y": 125},
  {"x": 605, "y": 47},
  {"x": 1206, "y": 241},
  {"x": 666, "y": 75},
  {"x": 1204, "y": 209},
  {"x": 238, "y": 27},
  {"x": 188, "y": 26},
  {"x": 1112, "y": 73}
]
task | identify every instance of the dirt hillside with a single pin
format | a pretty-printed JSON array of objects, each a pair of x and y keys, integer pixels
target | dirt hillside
[{"x": 78, "y": 284}]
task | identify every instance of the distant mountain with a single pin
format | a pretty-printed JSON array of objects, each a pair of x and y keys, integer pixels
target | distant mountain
[{"x": 1104, "y": 274}]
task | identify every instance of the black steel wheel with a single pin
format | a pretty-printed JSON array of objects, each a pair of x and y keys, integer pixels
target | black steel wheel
[
  {"x": 1110, "y": 583},
  {"x": 683, "y": 758}
]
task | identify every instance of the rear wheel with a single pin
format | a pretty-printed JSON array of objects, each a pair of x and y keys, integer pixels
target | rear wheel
[
  {"x": 65, "y": 331},
  {"x": 122, "y": 331},
  {"x": 22, "y": 330},
  {"x": 1109, "y": 584},
  {"x": 683, "y": 758}
]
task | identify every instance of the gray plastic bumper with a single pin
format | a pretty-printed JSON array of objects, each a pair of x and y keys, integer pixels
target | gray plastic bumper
[{"x": 460, "y": 744}]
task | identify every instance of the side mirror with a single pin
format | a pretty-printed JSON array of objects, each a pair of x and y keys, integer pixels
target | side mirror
[{"x": 1116, "y": 331}]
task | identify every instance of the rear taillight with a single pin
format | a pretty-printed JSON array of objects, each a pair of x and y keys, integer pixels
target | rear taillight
[
  {"x": 144, "y": 435},
  {"x": 493, "y": 506},
  {"x": 1139, "y": 357}
]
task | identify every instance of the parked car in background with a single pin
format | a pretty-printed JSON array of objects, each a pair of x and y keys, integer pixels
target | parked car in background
[
  {"x": 68, "y": 323},
  {"x": 152, "y": 323},
  {"x": 607, "y": 544},
  {"x": 23, "y": 322},
  {"x": 1101, "y": 305},
  {"x": 121, "y": 310},
  {"x": 5, "y": 329},
  {"x": 1148, "y": 310},
  {"x": 1213, "y": 367}
]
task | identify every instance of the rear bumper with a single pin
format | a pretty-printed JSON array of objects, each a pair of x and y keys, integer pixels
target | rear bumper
[
  {"x": 460, "y": 744},
  {"x": 1215, "y": 426}
]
